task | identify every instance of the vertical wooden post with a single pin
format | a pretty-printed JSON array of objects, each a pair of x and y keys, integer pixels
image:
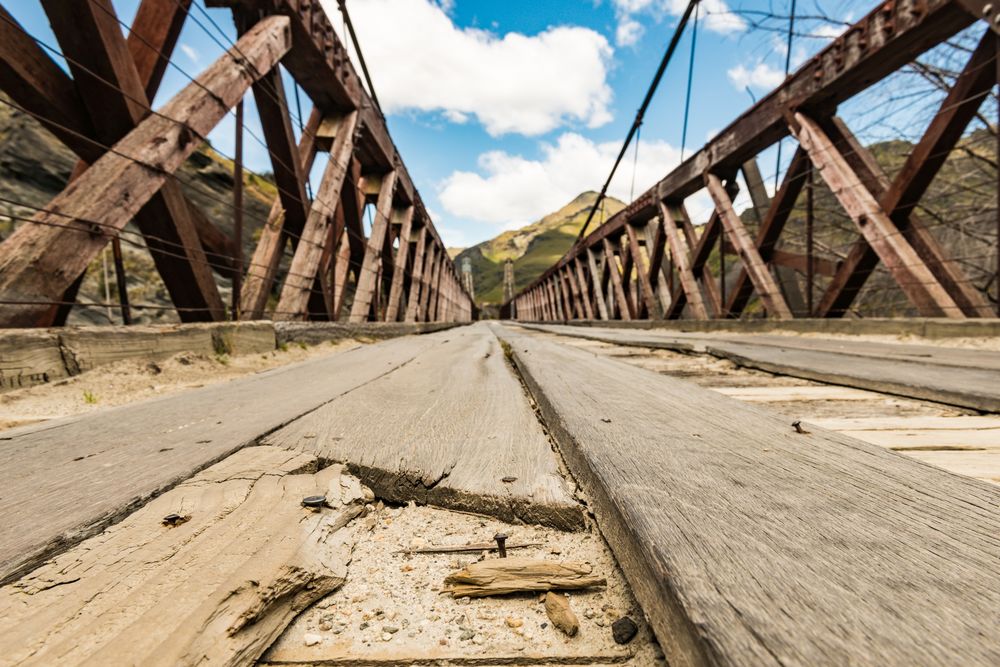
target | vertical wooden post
[
  {"x": 238, "y": 213},
  {"x": 670, "y": 216},
  {"x": 595, "y": 278}
]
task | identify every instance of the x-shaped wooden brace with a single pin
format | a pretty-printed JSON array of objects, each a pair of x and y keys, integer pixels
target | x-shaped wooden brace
[{"x": 113, "y": 82}]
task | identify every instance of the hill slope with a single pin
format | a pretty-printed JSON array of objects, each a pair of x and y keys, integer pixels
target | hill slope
[{"x": 533, "y": 248}]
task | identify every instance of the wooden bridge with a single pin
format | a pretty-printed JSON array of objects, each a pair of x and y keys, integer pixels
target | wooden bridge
[{"x": 681, "y": 485}]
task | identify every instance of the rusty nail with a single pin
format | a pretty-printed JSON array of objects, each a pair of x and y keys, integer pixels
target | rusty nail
[
  {"x": 501, "y": 538},
  {"x": 797, "y": 425}
]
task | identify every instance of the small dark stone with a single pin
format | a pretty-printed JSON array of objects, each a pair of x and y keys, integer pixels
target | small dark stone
[
  {"x": 624, "y": 630},
  {"x": 314, "y": 501},
  {"x": 544, "y": 625}
]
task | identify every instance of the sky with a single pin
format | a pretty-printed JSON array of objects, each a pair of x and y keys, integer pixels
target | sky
[{"x": 505, "y": 111}]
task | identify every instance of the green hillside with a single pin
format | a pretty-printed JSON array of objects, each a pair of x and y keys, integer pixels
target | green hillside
[{"x": 533, "y": 248}]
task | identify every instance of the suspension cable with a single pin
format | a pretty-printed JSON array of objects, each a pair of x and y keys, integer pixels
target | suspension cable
[{"x": 642, "y": 111}]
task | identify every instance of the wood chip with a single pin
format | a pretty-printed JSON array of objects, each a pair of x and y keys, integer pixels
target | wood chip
[
  {"x": 560, "y": 613},
  {"x": 511, "y": 575}
]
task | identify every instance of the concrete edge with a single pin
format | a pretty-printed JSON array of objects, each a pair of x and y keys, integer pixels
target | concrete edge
[{"x": 31, "y": 357}]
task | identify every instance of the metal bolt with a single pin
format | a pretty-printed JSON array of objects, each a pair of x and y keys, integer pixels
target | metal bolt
[
  {"x": 314, "y": 502},
  {"x": 501, "y": 538},
  {"x": 987, "y": 9}
]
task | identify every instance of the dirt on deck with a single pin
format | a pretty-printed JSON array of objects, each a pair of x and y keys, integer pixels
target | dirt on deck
[{"x": 129, "y": 381}]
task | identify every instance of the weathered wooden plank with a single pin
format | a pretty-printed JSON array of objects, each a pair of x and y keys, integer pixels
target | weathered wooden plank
[
  {"x": 41, "y": 259},
  {"x": 66, "y": 480},
  {"x": 217, "y": 589},
  {"x": 462, "y": 436},
  {"x": 749, "y": 543},
  {"x": 595, "y": 277}
]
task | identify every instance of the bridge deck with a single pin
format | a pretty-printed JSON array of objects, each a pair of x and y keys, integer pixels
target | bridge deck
[
  {"x": 743, "y": 540},
  {"x": 962, "y": 377}
]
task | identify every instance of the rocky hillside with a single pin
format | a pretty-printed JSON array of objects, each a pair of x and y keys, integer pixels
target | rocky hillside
[
  {"x": 533, "y": 248},
  {"x": 35, "y": 166}
]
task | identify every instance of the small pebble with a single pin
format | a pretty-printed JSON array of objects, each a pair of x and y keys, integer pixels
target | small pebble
[
  {"x": 466, "y": 635},
  {"x": 311, "y": 639},
  {"x": 386, "y": 636},
  {"x": 623, "y": 630},
  {"x": 513, "y": 622},
  {"x": 479, "y": 640},
  {"x": 390, "y": 629}
]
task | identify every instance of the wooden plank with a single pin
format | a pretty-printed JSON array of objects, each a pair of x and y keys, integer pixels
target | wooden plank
[
  {"x": 964, "y": 387},
  {"x": 748, "y": 543},
  {"x": 302, "y": 273},
  {"x": 461, "y": 425},
  {"x": 763, "y": 282},
  {"x": 907, "y": 268},
  {"x": 218, "y": 588},
  {"x": 66, "y": 480},
  {"x": 365, "y": 292},
  {"x": 39, "y": 261}
]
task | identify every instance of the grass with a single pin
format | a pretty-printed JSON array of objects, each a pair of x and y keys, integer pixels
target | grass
[{"x": 89, "y": 397}]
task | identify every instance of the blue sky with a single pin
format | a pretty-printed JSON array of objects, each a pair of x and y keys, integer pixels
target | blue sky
[{"x": 503, "y": 111}]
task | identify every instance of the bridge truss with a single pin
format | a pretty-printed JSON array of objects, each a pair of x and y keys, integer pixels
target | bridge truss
[
  {"x": 129, "y": 153},
  {"x": 648, "y": 261}
]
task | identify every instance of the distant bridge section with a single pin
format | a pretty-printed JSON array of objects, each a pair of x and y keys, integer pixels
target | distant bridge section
[
  {"x": 315, "y": 259},
  {"x": 649, "y": 262}
]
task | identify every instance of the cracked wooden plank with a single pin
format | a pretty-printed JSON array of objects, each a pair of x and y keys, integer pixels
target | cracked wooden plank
[
  {"x": 448, "y": 430},
  {"x": 217, "y": 589},
  {"x": 748, "y": 543},
  {"x": 64, "y": 480}
]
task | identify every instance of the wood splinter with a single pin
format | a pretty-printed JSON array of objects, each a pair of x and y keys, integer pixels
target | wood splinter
[
  {"x": 559, "y": 612},
  {"x": 515, "y": 575}
]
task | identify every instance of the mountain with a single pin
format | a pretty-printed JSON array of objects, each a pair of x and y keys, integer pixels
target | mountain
[{"x": 533, "y": 248}]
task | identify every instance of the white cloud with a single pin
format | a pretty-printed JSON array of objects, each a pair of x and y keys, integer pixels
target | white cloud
[
  {"x": 714, "y": 15},
  {"x": 629, "y": 32},
  {"x": 762, "y": 76},
  {"x": 420, "y": 60},
  {"x": 191, "y": 53},
  {"x": 509, "y": 191}
]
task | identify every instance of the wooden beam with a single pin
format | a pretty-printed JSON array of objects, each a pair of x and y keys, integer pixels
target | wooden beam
[
  {"x": 399, "y": 272},
  {"x": 643, "y": 272},
  {"x": 373, "y": 252},
  {"x": 671, "y": 217},
  {"x": 42, "y": 258},
  {"x": 305, "y": 264},
  {"x": 906, "y": 267},
  {"x": 771, "y": 227},
  {"x": 761, "y": 278},
  {"x": 581, "y": 281},
  {"x": 595, "y": 277},
  {"x": 417, "y": 276},
  {"x": 152, "y": 37},
  {"x": 616, "y": 280}
]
